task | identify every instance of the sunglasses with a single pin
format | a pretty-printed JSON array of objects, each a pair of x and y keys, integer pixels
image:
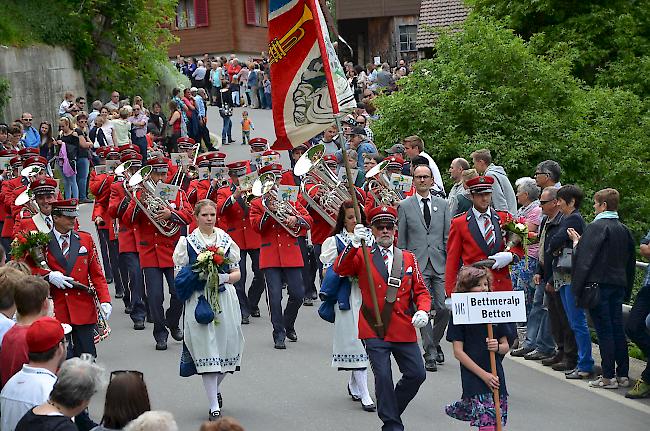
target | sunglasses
[
  {"x": 27, "y": 119},
  {"x": 385, "y": 226},
  {"x": 541, "y": 173},
  {"x": 119, "y": 372},
  {"x": 545, "y": 202}
]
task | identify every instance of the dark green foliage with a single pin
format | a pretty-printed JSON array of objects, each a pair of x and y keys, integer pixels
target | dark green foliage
[
  {"x": 487, "y": 88},
  {"x": 4, "y": 93}
]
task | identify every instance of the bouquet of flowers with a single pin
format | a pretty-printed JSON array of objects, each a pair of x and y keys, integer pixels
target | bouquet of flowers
[
  {"x": 518, "y": 233},
  {"x": 30, "y": 244},
  {"x": 211, "y": 262}
]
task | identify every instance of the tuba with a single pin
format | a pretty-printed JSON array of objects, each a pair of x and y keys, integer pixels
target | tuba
[
  {"x": 266, "y": 188},
  {"x": 330, "y": 194},
  {"x": 378, "y": 185},
  {"x": 149, "y": 203}
]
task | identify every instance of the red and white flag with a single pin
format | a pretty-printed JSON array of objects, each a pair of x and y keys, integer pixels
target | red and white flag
[{"x": 309, "y": 86}]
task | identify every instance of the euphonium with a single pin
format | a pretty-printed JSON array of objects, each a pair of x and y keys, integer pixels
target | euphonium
[
  {"x": 149, "y": 203},
  {"x": 266, "y": 188},
  {"x": 379, "y": 185},
  {"x": 331, "y": 192}
]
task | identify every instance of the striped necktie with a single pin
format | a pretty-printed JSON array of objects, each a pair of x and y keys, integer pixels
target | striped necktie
[
  {"x": 384, "y": 253},
  {"x": 48, "y": 222},
  {"x": 65, "y": 245},
  {"x": 488, "y": 228}
]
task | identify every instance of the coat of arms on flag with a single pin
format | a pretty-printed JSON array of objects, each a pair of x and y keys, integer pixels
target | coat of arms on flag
[{"x": 309, "y": 84}]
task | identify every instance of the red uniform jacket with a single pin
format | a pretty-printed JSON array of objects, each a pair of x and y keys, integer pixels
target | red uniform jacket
[
  {"x": 156, "y": 249},
  {"x": 100, "y": 186},
  {"x": 191, "y": 194},
  {"x": 412, "y": 290},
  {"x": 278, "y": 249},
  {"x": 320, "y": 228},
  {"x": 117, "y": 205},
  {"x": 466, "y": 246},
  {"x": 74, "y": 306},
  {"x": 233, "y": 214},
  {"x": 8, "y": 198}
]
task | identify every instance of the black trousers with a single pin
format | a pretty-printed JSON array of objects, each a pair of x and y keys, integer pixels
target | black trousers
[
  {"x": 106, "y": 259},
  {"x": 561, "y": 330},
  {"x": 309, "y": 267},
  {"x": 113, "y": 252},
  {"x": 393, "y": 399},
  {"x": 248, "y": 303},
  {"x": 284, "y": 321},
  {"x": 131, "y": 275},
  {"x": 153, "y": 278},
  {"x": 81, "y": 340},
  {"x": 636, "y": 328}
]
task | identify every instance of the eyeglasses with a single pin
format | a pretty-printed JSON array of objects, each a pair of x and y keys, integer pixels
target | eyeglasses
[
  {"x": 541, "y": 173},
  {"x": 118, "y": 372},
  {"x": 545, "y": 202},
  {"x": 387, "y": 226},
  {"x": 422, "y": 177}
]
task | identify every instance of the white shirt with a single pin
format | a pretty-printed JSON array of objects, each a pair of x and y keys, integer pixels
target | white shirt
[
  {"x": 28, "y": 388},
  {"x": 59, "y": 239},
  {"x": 437, "y": 178},
  {"x": 422, "y": 203},
  {"x": 480, "y": 221},
  {"x": 389, "y": 262},
  {"x": 5, "y": 325}
]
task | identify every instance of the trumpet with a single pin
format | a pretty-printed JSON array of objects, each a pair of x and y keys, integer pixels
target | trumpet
[
  {"x": 331, "y": 193},
  {"x": 278, "y": 48},
  {"x": 266, "y": 188},
  {"x": 149, "y": 203},
  {"x": 378, "y": 185}
]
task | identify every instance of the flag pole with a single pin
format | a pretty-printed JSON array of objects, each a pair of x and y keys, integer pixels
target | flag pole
[
  {"x": 495, "y": 392},
  {"x": 378, "y": 325}
]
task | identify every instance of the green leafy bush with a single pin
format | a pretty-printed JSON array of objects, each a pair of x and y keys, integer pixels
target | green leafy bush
[
  {"x": 4, "y": 93},
  {"x": 486, "y": 88}
]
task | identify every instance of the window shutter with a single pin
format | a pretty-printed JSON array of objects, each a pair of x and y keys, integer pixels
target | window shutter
[
  {"x": 251, "y": 14},
  {"x": 201, "y": 13}
]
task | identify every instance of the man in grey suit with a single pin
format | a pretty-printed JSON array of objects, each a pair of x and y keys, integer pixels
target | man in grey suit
[{"x": 423, "y": 223}]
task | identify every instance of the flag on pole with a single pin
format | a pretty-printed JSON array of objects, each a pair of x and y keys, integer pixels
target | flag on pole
[{"x": 308, "y": 83}]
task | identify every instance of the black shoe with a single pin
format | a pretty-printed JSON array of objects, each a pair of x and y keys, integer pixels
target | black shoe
[
  {"x": 161, "y": 345},
  {"x": 308, "y": 302},
  {"x": 176, "y": 333},
  {"x": 536, "y": 355},
  {"x": 521, "y": 352},
  {"x": 291, "y": 335},
  {"x": 579, "y": 375},
  {"x": 220, "y": 399},
  {"x": 557, "y": 358},
  {"x": 354, "y": 397},
  {"x": 430, "y": 365},
  {"x": 149, "y": 319},
  {"x": 279, "y": 344},
  {"x": 119, "y": 295},
  {"x": 368, "y": 408},
  {"x": 214, "y": 416},
  {"x": 440, "y": 357},
  {"x": 255, "y": 313},
  {"x": 563, "y": 366},
  {"x": 245, "y": 320},
  {"x": 128, "y": 309},
  {"x": 230, "y": 141},
  {"x": 139, "y": 325},
  {"x": 314, "y": 295}
]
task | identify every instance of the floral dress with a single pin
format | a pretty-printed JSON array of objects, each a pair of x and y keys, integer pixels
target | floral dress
[
  {"x": 215, "y": 347},
  {"x": 348, "y": 352}
]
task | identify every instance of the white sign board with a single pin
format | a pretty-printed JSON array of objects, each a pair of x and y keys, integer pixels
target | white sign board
[{"x": 488, "y": 307}]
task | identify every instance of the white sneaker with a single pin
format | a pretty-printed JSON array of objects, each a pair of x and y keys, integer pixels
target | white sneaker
[
  {"x": 604, "y": 383},
  {"x": 623, "y": 382}
]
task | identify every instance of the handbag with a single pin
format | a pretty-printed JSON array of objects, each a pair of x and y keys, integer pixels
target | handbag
[
  {"x": 564, "y": 260},
  {"x": 203, "y": 312},
  {"x": 590, "y": 297}
]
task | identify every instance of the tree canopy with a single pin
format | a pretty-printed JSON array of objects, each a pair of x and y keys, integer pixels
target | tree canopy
[{"x": 488, "y": 88}]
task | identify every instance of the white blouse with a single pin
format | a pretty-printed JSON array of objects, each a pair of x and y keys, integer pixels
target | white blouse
[
  {"x": 218, "y": 236},
  {"x": 329, "y": 252}
]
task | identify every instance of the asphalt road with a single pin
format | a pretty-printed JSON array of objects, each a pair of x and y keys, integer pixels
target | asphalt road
[{"x": 296, "y": 389}]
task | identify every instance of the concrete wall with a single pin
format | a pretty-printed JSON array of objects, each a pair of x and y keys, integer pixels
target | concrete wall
[{"x": 38, "y": 76}]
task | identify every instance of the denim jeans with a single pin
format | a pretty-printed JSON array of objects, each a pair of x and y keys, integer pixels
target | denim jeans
[
  {"x": 141, "y": 142},
  {"x": 226, "y": 131},
  {"x": 538, "y": 332},
  {"x": 578, "y": 322},
  {"x": 608, "y": 320},
  {"x": 83, "y": 164},
  {"x": 70, "y": 188},
  {"x": 636, "y": 327}
]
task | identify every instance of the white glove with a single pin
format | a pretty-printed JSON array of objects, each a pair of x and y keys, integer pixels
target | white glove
[
  {"x": 107, "y": 308},
  {"x": 96, "y": 145},
  {"x": 57, "y": 279},
  {"x": 420, "y": 319},
  {"x": 448, "y": 303},
  {"x": 502, "y": 259},
  {"x": 361, "y": 233},
  {"x": 223, "y": 278}
]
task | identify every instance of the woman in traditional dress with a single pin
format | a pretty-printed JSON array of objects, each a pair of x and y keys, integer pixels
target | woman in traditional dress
[
  {"x": 348, "y": 352},
  {"x": 215, "y": 348}
]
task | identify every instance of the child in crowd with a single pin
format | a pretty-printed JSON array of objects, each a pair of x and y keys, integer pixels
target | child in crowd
[
  {"x": 267, "y": 91},
  {"x": 67, "y": 105},
  {"x": 471, "y": 347},
  {"x": 234, "y": 90},
  {"x": 246, "y": 127}
]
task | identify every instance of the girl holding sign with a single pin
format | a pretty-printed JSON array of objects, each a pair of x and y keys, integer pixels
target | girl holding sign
[{"x": 472, "y": 348}]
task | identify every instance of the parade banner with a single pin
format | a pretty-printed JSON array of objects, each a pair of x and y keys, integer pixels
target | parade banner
[{"x": 308, "y": 83}]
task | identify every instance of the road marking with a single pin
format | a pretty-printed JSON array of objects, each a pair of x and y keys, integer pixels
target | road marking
[{"x": 610, "y": 394}]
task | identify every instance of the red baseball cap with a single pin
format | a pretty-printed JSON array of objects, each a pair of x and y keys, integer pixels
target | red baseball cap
[{"x": 45, "y": 333}]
